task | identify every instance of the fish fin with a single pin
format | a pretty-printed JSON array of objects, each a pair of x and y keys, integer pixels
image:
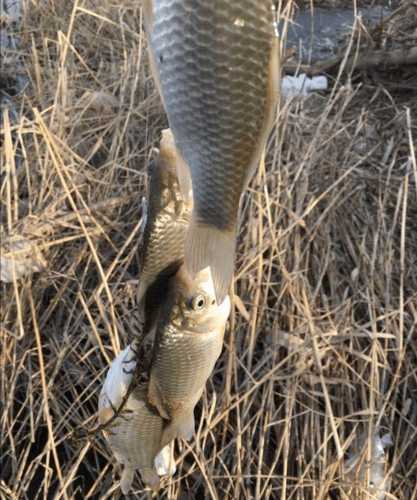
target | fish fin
[
  {"x": 208, "y": 246},
  {"x": 173, "y": 157},
  {"x": 182, "y": 426},
  {"x": 186, "y": 426},
  {"x": 155, "y": 397},
  {"x": 127, "y": 479},
  {"x": 150, "y": 478},
  {"x": 165, "y": 462},
  {"x": 184, "y": 179}
]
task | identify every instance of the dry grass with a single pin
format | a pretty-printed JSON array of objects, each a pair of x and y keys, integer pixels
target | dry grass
[{"x": 321, "y": 347}]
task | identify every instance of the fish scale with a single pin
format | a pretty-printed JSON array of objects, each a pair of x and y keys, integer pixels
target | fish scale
[
  {"x": 191, "y": 357},
  {"x": 135, "y": 435},
  {"x": 168, "y": 216},
  {"x": 213, "y": 65},
  {"x": 188, "y": 342},
  {"x": 166, "y": 233}
]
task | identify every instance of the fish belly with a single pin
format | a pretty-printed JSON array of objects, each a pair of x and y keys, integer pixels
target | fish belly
[{"x": 181, "y": 367}]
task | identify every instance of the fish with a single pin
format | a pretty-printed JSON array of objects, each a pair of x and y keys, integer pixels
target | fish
[
  {"x": 368, "y": 475},
  {"x": 188, "y": 342},
  {"x": 161, "y": 250},
  {"x": 135, "y": 436},
  {"x": 216, "y": 65}
]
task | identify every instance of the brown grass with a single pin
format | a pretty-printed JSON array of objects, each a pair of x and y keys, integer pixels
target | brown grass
[{"x": 321, "y": 347}]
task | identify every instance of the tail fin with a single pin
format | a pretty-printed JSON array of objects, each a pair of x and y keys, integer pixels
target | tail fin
[
  {"x": 150, "y": 478},
  {"x": 127, "y": 479},
  {"x": 208, "y": 246},
  {"x": 182, "y": 426}
]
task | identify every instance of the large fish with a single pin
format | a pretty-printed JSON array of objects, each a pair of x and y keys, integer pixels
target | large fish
[
  {"x": 161, "y": 251},
  {"x": 188, "y": 341},
  {"x": 135, "y": 436},
  {"x": 216, "y": 66}
]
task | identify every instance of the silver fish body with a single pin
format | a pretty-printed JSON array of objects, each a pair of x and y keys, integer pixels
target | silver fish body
[
  {"x": 188, "y": 342},
  {"x": 216, "y": 65},
  {"x": 168, "y": 216},
  {"x": 136, "y": 439},
  {"x": 134, "y": 435}
]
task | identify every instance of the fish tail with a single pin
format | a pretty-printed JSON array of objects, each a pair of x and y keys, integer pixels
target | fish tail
[
  {"x": 182, "y": 426},
  {"x": 150, "y": 478},
  {"x": 186, "y": 426},
  {"x": 208, "y": 246},
  {"x": 127, "y": 479}
]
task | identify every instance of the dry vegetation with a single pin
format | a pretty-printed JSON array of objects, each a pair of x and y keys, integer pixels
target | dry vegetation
[{"x": 321, "y": 347}]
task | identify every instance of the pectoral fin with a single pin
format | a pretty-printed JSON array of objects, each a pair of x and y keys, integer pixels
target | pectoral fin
[
  {"x": 155, "y": 397},
  {"x": 182, "y": 426}
]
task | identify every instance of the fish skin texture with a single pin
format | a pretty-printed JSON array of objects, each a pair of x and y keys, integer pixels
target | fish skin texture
[{"x": 213, "y": 67}]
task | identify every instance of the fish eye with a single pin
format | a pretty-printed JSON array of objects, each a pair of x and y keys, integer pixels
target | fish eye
[{"x": 198, "y": 302}]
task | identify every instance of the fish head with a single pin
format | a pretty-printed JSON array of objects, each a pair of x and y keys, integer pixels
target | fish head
[{"x": 195, "y": 307}]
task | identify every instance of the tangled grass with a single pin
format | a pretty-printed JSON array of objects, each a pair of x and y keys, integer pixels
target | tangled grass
[{"x": 320, "y": 356}]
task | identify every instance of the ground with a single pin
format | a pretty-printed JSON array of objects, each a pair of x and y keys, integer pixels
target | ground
[{"x": 319, "y": 361}]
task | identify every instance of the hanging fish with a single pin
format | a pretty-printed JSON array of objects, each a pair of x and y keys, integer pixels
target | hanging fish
[
  {"x": 188, "y": 341},
  {"x": 370, "y": 479},
  {"x": 135, "y": 436},
  {"x": 161, "y": 251},
  {"x": 216, "y": 66}
]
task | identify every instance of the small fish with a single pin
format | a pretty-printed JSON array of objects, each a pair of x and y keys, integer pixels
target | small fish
[
  {"x": 135, "y": 436},
  {"x": 188, "y": 341},
  {"x": 216, "y": 66},
  {"x": 169, "y": 210}
]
